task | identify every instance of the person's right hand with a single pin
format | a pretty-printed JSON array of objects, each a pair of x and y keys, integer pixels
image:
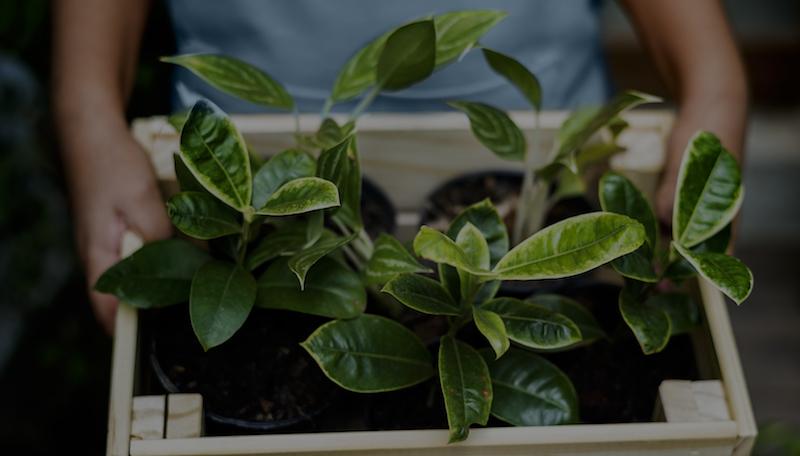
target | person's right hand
[{"x": 113, "y": 189}]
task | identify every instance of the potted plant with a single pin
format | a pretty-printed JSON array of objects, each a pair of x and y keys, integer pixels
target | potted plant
[{"x": 289, "y": 236}]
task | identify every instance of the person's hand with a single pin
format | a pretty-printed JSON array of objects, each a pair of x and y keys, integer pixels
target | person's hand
[{"x": 113, "y": 189}]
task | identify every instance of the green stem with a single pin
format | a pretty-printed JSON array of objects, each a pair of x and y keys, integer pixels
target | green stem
[
  {"x": 326, "y": 108},
  {"x": 528, "y": 186},
  {"x": 244, "y": 238},
  {"x": 364, "y": 103}
]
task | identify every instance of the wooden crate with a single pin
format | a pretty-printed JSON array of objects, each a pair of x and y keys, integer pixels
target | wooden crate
[{"x": 409, "y": 156}]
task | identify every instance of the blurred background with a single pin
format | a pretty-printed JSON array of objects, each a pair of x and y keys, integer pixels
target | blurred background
[{"x": 55, "y": 360}]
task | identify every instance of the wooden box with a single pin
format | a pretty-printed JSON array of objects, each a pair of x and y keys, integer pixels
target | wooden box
[{"x": 409, "y": 155}]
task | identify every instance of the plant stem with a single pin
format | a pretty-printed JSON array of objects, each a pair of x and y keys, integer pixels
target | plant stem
[
  {"x": 364, "y": 103},
  {"x": 521, "y": 221},
  {"x": 326, "y": 108},
  {"x": 244, "y": 238}
]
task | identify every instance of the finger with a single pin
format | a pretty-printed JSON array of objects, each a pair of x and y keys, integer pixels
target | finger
[
  {"x": 104, "y": 306},
  {"x": 105, "y": 310},
  {"x": 147, "y": 216}
]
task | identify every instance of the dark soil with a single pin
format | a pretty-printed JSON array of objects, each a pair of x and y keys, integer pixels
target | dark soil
[
  {"x": 377, "y": 210},
  {"x": 261, "y": 376}
]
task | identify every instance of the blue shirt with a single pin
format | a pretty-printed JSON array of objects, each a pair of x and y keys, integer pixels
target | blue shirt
[{"x": 304, "y": 43}]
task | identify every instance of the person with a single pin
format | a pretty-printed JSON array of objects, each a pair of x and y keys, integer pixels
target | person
[{"x": 304, "y": 42}]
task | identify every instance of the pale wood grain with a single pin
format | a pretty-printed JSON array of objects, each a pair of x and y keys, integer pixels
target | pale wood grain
[
  {"x": 147, "y": 417},
  {"x": 184, "y": 416}
]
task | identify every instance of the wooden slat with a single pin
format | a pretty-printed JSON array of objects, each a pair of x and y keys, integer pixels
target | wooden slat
[
  {"x": 684, "y": 401},
  {"x": 715, "y": 438},
  {"x": 184, "y": 416},
  {"x": 147, "y": 417},
  {"x": 123, "y": 367}
]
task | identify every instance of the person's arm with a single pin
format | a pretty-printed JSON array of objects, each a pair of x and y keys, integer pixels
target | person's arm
[
  {"x": 112, "y": 184},
  {"x": 693, "y": 48}
]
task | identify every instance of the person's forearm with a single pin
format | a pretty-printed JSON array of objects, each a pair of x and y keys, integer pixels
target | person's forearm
[
  {"x": 694, "y": 50},
  {"x": 95, "y": 51}
]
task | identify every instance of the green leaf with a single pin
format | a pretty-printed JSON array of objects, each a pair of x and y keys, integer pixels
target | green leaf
[
  {"x": 436, "y": 246},
  {"x": 650, "y": 324},
  {"x": 637, "y": 265},
  {"x": 285, "y": 166},
  {"x": 459, "y": 31},
  {"x": 408, "y": 57},
  {"x": 315, "y": 227},
  {"x": 494, "y": 129},
  {"x": 585, "y": 123},
  {"x": 358, "y": 74},
  {"x": 157, "y": 275},
  {"x": 301, "y": 195},
  {"x": 727, "y": 273},
  {"x": 421, "y": 294},
  {"x": 340, "y": 165},
  {"x": 709, "y": 191},
  {"x": 466, "y": 386},
  {"x": 575, "y": 311},
  {"x": 534, "y": 326},
  {"x": 236, "y": 78},
  {"x": 572, "y": 246},
  {"x": 492, "y": 327},
  {"x": 186, "y": 181},
  {"x": 388, "y": 259},
  {"x": 332, "y": 290},
  {"x": 369, "y": 354},
  {"x": 619, "y": 195},
  {"x": 681, "y": 310},
  {"x": 486, "y": 218},
  {"x": 221, "y": 298},
  {"x": 517, "y": 74},
  {"x": 177, "y": 119},
  {"x": 329, "y": 134},
  {"x": 680, "y": 269},
  {"x": 302, "y": 261},
  {"x": 202, "y": 216},
  {"x": 216, "y": 155},
  {"x": 285, "y": 240},
  {"x": 470, "y": 240},
  {"x": 530, "y": 391}
]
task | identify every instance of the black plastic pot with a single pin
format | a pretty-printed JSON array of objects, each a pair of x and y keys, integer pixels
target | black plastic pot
[
  {"x": 451, "y": 197},
  {"x": 173, "y": 349},
  {"x": 377, "y": 210}
]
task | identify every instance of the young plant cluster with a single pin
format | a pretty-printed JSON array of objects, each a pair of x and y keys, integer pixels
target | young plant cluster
[{"x": 288, "y": 234}]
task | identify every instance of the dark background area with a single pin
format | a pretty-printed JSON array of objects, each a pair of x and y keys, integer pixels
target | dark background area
[{"x": 55, "y": 361}]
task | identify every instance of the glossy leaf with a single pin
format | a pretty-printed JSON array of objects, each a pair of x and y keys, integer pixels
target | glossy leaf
[
  {"x": 534, "y": 326},
  {"x": 650, "y": 324},
  {"x": 437, "y": 247},
  {"x": 619, "y": 195},
  {"x": 680, "y": 269},
  {"x": 709, "y": 191},
  {"x": 281, "y": 242},
  {"x": 421, "y": 294},
  {"x": 459, "y": 31},
  {"x": 340, "y": 165},
  {"x": 682, "y": 311},
  {"x": 493, "y": 329},
  {"x": 727, "y": 273},
  {"x": 177, "y": 119},
  {"x": 315, "y": 227},
  {"x": 389, "y": 258},
  {"x": 578, "y": 129},
  {"x": 486, "y": 218},
  {"x": 281, "y": 168},
  {"x": 369, "y": 354},
  {"x": 494, "y": 129},
  {"x": 301, "y": 195},
  {"x": 236, "y": 78},
  {"x": 332, "y": 290},
  {"x": 216, "y": 154},
  {"x": 637, "y": 265},
  {"x": 358, "y": 74},
  {"x": 186, "y": 181},
  {"x": 329, "y": 134},
  {"x": 408, "y": 56},
  {"x": 221, "y": 299},
  {"x": 476, "y": 250},
  {"x": 572, "y": 246},
  {"x": 575, "y": 311},
  {"x": 530, "y": 391},
  {"x": 466, "y": 386},
  {"x": 202, "y": 216},
  {"x": 157, "y": 275},
  {"x": 303, "y": 260},
  {"x": 517, "y": 74}
]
